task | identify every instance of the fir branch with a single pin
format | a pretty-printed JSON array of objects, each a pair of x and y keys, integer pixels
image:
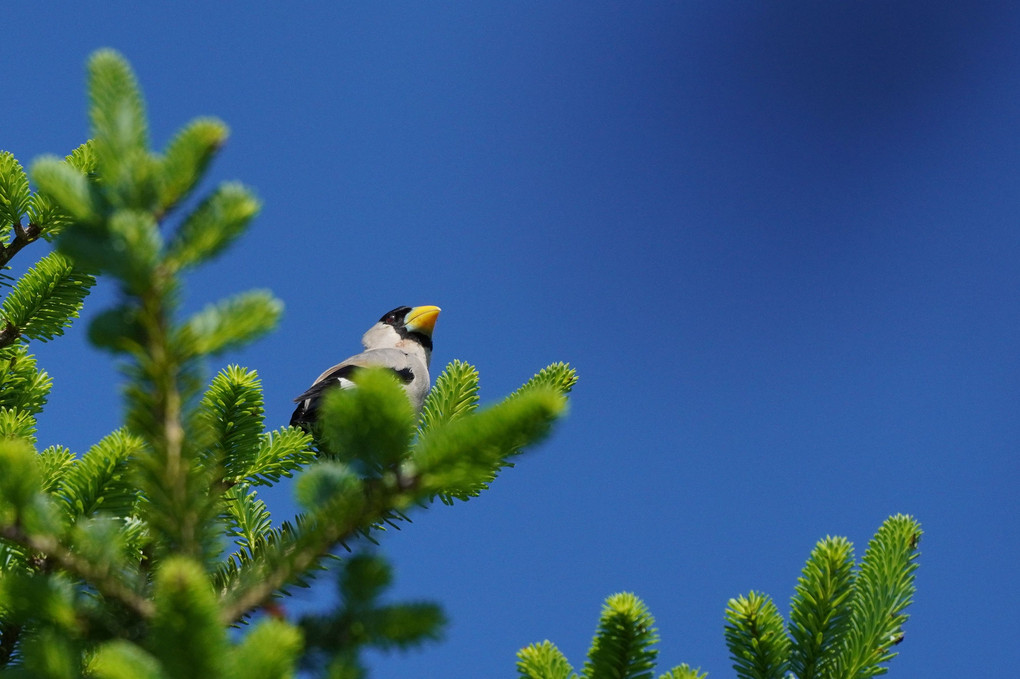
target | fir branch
[
  {"x": 116, "y": 108},
  {"x": 99, "y": 480},
  {"x": 53, "y": 464},
  {"x": 269, "y": 651},
  {"x": 243, "y": 565},
  {"x": 212, "y": 226},
  {"x": 820, "y": 609},
  {"x": 83, "y": 158},
  {"x": 46, "y": 216},
  {"x": 185, "y": 634},
  {"x": 756, "y": 638},
  {"x": 883, "y": 588},
  {"x": 47, "y": 298},
  {"x": 684, "y": 671},
  {"x": 23, "y": 235},
  {"x": 17, "y": 424},
  {"x": 131, "y": 174},
  {"x": 66, "y": 189},
  {"x": 233, "y": 322},
  {"x": 231, "y": 413},
  {"x": 121, "y": 659},
  {"x": 460, "y": 459},
  {"x": 369, "y": 427},
  {"x": 343, "y": 508},
  {"x": 98, "y": 576},
  {"x": 362, "y": 621},
  {"x": 556, "y": 376},
  {"x": 454, "y": 395},
  {"x": 22, "y": 385},
  {"x": 624, "y": 645},
  {"x": 280, "y": 453},
  {"x": 186, "y": 158},
  {"x": 249, "y": 517},
  {"x": 14, "y": 200},
  {"x": 543, "y": 661}
]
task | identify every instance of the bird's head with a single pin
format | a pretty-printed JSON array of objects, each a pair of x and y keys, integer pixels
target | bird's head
[{"x": 403, "y": 324}]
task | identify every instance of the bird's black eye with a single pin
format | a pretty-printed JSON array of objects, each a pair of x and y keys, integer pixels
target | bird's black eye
[{"x": 395, "y": 317}]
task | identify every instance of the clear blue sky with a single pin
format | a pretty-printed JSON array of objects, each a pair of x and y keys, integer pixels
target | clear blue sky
[{"x": 779, "y": 242}]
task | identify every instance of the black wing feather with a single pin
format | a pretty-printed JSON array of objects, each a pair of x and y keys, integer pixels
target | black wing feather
[{"x": 308, "y": 402}]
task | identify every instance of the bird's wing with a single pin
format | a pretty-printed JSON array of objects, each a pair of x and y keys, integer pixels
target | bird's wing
[{"x": 339, "y": 377}]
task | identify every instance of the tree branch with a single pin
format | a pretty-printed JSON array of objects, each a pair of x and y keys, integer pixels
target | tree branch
[
  {"x": 99, "y": 577},
  {"x": 303, "y": 554},
  {"x": 9, "y": 334},
  {"x": 23, "y": 235}
]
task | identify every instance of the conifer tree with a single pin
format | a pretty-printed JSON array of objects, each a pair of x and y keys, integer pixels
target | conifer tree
[{"x": 135, "y": 558}]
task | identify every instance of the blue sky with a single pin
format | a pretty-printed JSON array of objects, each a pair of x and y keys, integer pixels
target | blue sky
[{"x": 779, "y": 243}]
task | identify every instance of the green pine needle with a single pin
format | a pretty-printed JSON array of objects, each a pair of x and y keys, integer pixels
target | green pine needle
[
  {"x": 14, "y": 193},
  {"x": 233, "y": 322},
  {"x": 756, "y": 637},
  {"x": 269, "y": 651},
  {"x": 186, "y": 635},
  {"x": 216, "y": 223},
  {"x": 100, "y": 480},
  {"x": 54, "y": 463},
  {"x": 124, "y": 660},
  {"x": 17, "y": 424},
  {"x": 624, "y": 646},
  {"x": 454, "y": 395},
  {"x": 557, "y": 376},
  {"x": 543, "y": 661},
  {"x": 231, "y": 413},
  {"x": 187, "y": 157},
  {"x": 684, "y": 671},
  {"x": 47, "y": 298},
  {"x": 67, "y": 188},
  {"x": 820, "y": 609},
  {"x": 461, "y": 458},
  {"x": 883, "y": 588},
  {"x": 248, "y": 517},
  {"x": 280, "y": 454},
  {"x": 22, "y": 385},
  {"x": 83, "y": 158},
  {"x": 116, "y": 107}
]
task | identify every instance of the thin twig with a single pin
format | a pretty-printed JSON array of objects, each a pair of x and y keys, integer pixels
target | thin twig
[{"x": 23, "y": 235}]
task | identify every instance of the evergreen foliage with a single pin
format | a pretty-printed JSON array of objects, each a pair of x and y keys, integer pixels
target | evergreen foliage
[
  {"x": 843, "y": 624},
  {"x": 334, "y": 642},
  {"x": 136, "y": 558}
]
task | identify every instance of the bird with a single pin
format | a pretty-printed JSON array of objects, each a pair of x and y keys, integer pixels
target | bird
[{"x": 401, "y": 340}]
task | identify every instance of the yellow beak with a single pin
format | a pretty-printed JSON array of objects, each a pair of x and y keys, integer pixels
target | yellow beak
[{"x": 422, "y": 319}]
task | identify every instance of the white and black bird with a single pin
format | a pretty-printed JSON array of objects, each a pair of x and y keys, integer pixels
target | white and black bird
[{"x": 400, "y": 341}]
